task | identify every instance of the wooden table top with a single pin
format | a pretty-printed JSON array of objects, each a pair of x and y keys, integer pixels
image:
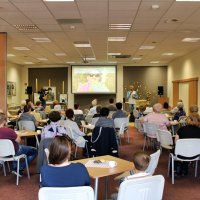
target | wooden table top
[
  {"x": 94, "y": 172},
  {"x": 26, "y": 133},
  {"x": 88, "y": 126}
]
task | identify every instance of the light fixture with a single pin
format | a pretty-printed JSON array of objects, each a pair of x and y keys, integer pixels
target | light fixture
[
  {"x": 90, "y": 58},
  {"x": 70, "y": 62},
  {"x": 168, "y": 54},
  {"x": 147, "y": 47},
  {"x": 60, "y": 54},
  {"x": 41, "y": 39},
  {"x": 116, "y": 39},
  {"x": 42, "y": 59},
  {"x": 28, "y": 63},
  {"x": 155, "y": 7},
  {"x": 26, "y": 27},
  {"x": 21, "y": 48},
  {"x": 10, "y": 55},
  {"x": 120, "y": 26},
  {"x": 188, "y": 0},
  {"x": 136, "y": 58},
  {"x": 154, "y": 62},
  {"x": 114, "y": 54},
  {"x": 190, "y": 40},
  {"x": 112, "y": 62},
  {"x": 82, "y": 44}
]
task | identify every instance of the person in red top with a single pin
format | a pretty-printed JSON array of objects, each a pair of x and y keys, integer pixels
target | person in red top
[{"x": 8, "y": 133}]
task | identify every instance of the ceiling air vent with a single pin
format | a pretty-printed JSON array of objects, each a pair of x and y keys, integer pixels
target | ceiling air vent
[
  {"x": 121, "y": 56},
  {"x": 69, "y": 21}
]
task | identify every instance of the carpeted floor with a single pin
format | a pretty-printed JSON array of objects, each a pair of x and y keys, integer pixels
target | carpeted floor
[{"x": 184, "y": 187}]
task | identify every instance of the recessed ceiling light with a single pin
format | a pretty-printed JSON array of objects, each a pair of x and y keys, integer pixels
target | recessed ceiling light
[
  {"x": 60, "y": 54},
  {"x": 136, "y": 58},
  {"x": 83, "y": 44},
  {"x": 120, "y": 26},
  {"x": 190, "y": 40},
  {"x": 114, "y": 54},
  {"x": 90, "y": 58},
  {"x": 42, "y": 59},
  {"x": 21, "y": 48},
  {"x": 154, "y": 62},
  {"x": 147, "y": 47},
  {"x": 112, "y": 62},
  {"x": 26, "y": 27},
  {"x": 41, "y": 39},
  {"x": 174, "y": 20},
  {"x": 188, "y": 0},
  {"x": 155, "y": 7},
  {"x": 10, "y": 55},
  {"x": 168, "y": 54},
  {"x": 28, "y": 63},
  {"x": 116, "y": 39},
  {"x": 58, "y": 0}
]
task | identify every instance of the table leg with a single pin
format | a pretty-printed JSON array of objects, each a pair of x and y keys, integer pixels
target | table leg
[
  {"x": 37, "y": 141},
  {"x": 96, "y": 189},
  {"x": 106, "y": 187}
]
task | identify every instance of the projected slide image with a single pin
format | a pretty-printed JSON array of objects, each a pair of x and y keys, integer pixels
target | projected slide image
[{"x": 94, "y": 79}]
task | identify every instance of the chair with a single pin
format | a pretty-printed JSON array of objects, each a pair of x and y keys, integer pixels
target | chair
[
  {"x": 66, "y": 193},
  {"x": 30, "y": 126},
  {"x": 88, "y": 118},
  {"x": 153, "y": 162},
  {"x": 36, "y": 115},
  {"x": 150, "y": 130},
  {"x": 146, "y": 188},
  {"x": 182, "y": 120},
  {"x": 76, "y": 141},
  {"x": 78, "y": 118},
  {"x": 186, "y": 150},
  {"x": 139, "y": 126},
  {"x": 121, "y": 125},
  {"x": 104, "y": 141},
  {"x": 165, "y": 139},
  {"x": 7, "y": 153}
]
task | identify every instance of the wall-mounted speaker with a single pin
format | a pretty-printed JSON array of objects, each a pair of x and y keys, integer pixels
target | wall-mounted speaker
[
  {"x": 124, "y": 100},
  {"x": 29, "y": 89},
  {"x": 160, "y": 90}
]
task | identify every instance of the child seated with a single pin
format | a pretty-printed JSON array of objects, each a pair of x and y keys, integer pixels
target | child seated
[{"x": 140, "y": 163}]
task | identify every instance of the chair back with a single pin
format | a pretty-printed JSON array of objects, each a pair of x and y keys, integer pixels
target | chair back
[
  {"x": 165, "y": 138},
  {"x": 145, "y": 188},
  {"x": 78, "y": 118},
  {"x": 26, "y": 125},
  {"x": 138, "y": 125},
  {"x": 182, "y": 120},
  {"x": 88, "y": 119},
  {"x": 119, "y": 121},
  {"x": 151, "y": 129},
  {"x": 94, "y": 120},
  {"x": 36, "y": 115},
  {"x": 188, "y": 147},
  {"x": 153, "y": 162},
  {"x": 66, "y": 193},
  {"x": 6, "y": 148}
]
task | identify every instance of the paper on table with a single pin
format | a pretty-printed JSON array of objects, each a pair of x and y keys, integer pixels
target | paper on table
[{"x": 92, "y": 163}]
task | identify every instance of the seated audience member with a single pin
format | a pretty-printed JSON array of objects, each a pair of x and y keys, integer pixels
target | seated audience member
[
  {"x": 191, "y": 130},
  {"x": 166, "y": 108},
  {"x": 175, "y": 109},
  {"x": 60, "y": 172},
  {"x": 53, "y": 128},
  {"x": 92, "y": 110},
  {"x": 30, "y": 103},
  {"x": 77, "y": 133},
  {"x": 77, "y": 110},
  {"x": 140, "y": 163},
  {"x": 56, "y": 106},
  {"x": 27, "y": 116},
  {"x": 7, "y": 133},
  {"x": 103, "y": 120},
  {"x": 38, "y": 106},
  {"x": 141, "y": 110},
  {"x": 156, "y": 117},
  {"x": 180, "y": 112},
  {"x": 119, "y": 113},
  {"x": 21, "y": 110},
  {"x": 112, "y": 106},
  {"x": 98, "y": 108}
]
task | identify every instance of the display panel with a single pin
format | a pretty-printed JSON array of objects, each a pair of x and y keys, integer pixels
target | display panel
[{"x": 93, "y": 79}]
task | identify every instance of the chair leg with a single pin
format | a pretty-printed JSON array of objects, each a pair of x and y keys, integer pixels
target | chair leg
[
  {"x": 27, "y": 168},
  {"x": 196, "y": 168},
  {"x": 87, "y": 149},
  {"x": 17, "y": 182},
  {"x": 169, "y": 159},
  {"x": 75, "y": 151},
  {"x": 8, "y": 166},
  {"x": 172, "y": 170},
  {"x": 128, "y": 139},
  {"x": 145, "y": 138},
  {"x": 4, "y": 169}
]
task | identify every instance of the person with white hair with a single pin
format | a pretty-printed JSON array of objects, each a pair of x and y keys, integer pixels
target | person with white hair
[
  {"x": 93, "y": 110},
  {"x": 157, "y": 117}
]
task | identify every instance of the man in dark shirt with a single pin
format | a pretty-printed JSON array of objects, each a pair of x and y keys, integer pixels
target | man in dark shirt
[
  {"x": 119, "y": 113},
  {"x": 7, "y": 133}
]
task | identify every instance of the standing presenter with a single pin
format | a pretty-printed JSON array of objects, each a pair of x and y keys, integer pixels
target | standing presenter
[{"x": 132, "y": 96}]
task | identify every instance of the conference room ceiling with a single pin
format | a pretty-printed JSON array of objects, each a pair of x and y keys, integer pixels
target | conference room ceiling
[{"x": 159, "y": 25}]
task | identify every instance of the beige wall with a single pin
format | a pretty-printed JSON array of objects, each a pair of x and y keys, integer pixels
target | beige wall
[
  {"x": 183, "y": 68},
  {"x": 17, "y": 73}
]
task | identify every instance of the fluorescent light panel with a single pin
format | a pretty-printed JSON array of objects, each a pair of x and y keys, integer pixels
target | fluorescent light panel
[
  {"x": 42, "y": 59},
  {"x": 147, "y": 47},
  {"x": 154, "y": 62},
  {"x": 28, "y": 63},
  {"x": 116, "y": 39},
  {"x": 82, "y": 45},
  {"x": 41, "y": 39},
  {"x": 136, "y": 58},
  {"x": 21, "y": 48},
  {"x": 119, "y": 26},
  {"x": 190, "y": 40},
  {"x": 90, "y": 58},
  {"x": 60, "y": 54},
  {"x": 188, "y": 0},
  {"x": 70, "y": 62},
  {"x": 10, "y": 55},
  {"x": 168, "y": 54},
  {"x": 114, "y": 54},
  {"x": 57, "y": 0}
]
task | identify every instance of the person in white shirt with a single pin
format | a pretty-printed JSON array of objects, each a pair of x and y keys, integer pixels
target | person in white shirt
[
  {"x": 132, "y": 96},
  {"x": 77, "y": 110},
  {"x": 140, "y": 164},
  {"x": 92, "y": 110}
]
